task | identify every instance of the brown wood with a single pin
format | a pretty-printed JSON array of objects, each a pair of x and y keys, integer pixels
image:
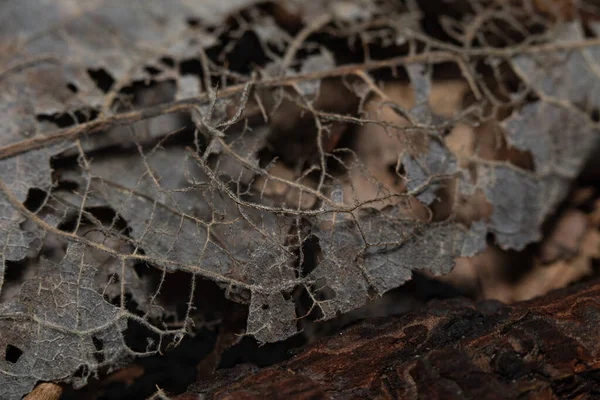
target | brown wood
[{"x": 548, "y": 348}]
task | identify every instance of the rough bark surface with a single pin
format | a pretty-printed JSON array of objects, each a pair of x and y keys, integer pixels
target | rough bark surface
[{"x": 542, "y": 349}]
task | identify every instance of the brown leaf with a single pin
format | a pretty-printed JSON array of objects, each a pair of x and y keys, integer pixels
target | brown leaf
[
  {"x": 45, "y": 391},
  {"x": 564, "y": 240}
]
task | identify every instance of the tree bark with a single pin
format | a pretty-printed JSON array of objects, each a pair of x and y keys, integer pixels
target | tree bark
[{"x": 547, "y": 348}]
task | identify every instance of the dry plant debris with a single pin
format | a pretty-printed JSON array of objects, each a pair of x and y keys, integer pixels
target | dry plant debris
[{"x": 327, "y": 148}]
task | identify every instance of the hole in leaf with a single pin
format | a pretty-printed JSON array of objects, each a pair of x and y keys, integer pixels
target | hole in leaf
[
  {"x": 310, "y": 250},
  {"x": 247, "y": 53},
  {"x": 190, "y": 67},
  {"x": 99, "y": 345},
  {"x": 130, "y": 304},
  {"x": 67, "y": 186},
  {"x": 152, "y": 70},
  {"x": 35, "y": 199},
  {"x": 13, "y": 270},
  {"x": 63, "y": 120},
  {"x": 397, "y": 171},
  {"x": 15, "y": 273},
  {"x": 323, "y": 292},
  {"x": 211, "y": 29},
  {"x": 72, "y": 88},
  {"x": 105, "y": 215},
  {"x": 82, "y": 372},
  {"x": 101, "y": 78},
  {"x": 287, "y": 295},
  {"x": 193, "y": 22},
  {"x": 140, "y": 269},
  {"x": 265, "y": 307},
  {"x": 491, "y": 144},
  {"x": 167, "y": 61},
  {"x": 145, "y": 93},
  {"x": 13, "y": 353},
  {"x": 344, "y": 48}
]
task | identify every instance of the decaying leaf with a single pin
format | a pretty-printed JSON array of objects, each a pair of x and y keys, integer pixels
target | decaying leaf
[
  {"x": 256, "y": 146},
  {"x": 50, "y": 331}
]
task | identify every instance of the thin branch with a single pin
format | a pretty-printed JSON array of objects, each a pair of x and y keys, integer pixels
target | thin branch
[{"x": 186, "y": 104}]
